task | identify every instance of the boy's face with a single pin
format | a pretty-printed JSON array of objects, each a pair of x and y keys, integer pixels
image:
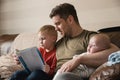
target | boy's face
[{"x": 46, "y": 40}]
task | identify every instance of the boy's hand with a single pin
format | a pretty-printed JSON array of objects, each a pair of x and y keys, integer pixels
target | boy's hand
[
  {"x": 15, "y": 57},
  {"x": 46, "y": 68}
]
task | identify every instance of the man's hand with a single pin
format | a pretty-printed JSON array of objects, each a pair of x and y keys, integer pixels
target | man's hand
[{"x": 69, "y": 66}]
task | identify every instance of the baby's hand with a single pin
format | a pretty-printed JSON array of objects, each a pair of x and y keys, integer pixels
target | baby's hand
[{"x": 46, "y": 68}]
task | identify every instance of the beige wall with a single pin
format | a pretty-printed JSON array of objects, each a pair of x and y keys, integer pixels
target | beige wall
[{"x": 18, "y": 16}]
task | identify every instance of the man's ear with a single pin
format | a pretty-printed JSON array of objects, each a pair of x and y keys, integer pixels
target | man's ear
[{"x": 70, "y": 19}]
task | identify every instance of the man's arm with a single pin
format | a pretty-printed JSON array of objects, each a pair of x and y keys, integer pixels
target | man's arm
[
  {"x": 98, "y": 58},
  {"x": 93, "y": 60}
]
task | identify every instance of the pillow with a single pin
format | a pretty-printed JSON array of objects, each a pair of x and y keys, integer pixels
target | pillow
[{"x": 25, "y": 40}]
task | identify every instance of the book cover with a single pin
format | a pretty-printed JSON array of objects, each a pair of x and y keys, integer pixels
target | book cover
[{"x": 31, "y": 59}]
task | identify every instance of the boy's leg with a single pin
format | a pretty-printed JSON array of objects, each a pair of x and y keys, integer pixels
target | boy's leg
[
  {"x": 38, "y": 75},
  {"x": 19, "y": 75}
]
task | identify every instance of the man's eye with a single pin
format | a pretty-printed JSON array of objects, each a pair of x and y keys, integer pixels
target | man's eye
[
  {"x": 42, "y": 39},
  {"x": 94, "y": 45},
  {"x": 57, "y": 23}
]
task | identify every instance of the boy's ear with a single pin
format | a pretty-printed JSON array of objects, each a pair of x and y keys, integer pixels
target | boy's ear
[{"x": 54, "y": 38}]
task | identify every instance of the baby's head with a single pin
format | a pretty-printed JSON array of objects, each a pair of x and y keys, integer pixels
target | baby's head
[
  {"x": 98, "y": 42},
  {"x": 47, "y": 36}
]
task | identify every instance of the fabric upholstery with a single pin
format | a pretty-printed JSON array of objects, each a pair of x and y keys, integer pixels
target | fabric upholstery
[
  {"x": 105, "y": 72},
  {"x": 25, "y": 40},
  {"x": 113, "y": 33},
  {"x": 7, "y": 66},
  {"x": 5, "y": 42}
]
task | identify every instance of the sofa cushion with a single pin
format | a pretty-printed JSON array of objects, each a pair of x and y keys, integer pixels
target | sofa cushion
[
  {"x": 113, "y": 33},
  {"x": 5, "y": 42},
  {"x": 25, "y": 40},
  {"x": 105, "y": 72},
  {"x": 114, "y": 37}
]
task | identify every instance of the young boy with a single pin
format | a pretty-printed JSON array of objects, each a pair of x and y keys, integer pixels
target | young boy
[{"x": 47, "y": 38}]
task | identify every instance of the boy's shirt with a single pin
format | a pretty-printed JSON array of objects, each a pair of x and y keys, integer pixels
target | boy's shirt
[{"x": 50, "y": 59}]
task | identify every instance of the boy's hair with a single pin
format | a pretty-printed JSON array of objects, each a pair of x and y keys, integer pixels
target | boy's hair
[
  {"x": 48, "y": 29},
  {"x": 64, "y": 10}
]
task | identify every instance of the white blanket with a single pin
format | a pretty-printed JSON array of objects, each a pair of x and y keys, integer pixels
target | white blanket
[{"x": 114, "y": 58}]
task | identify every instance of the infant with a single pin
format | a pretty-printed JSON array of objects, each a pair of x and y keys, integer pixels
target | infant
[{"x": 95, "y": 45}]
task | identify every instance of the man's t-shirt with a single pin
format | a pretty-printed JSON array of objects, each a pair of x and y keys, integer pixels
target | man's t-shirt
[{"x": 68, "y": 47}]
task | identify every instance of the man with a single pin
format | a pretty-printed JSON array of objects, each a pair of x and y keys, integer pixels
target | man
[{"x": 74, "y": 41}]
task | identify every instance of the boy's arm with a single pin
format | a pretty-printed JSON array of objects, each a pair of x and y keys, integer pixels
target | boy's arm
[
  {"x": 53, "y": 67},
  {"x": 15, "y": 57}
]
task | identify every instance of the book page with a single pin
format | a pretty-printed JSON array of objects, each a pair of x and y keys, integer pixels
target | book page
[{"x": 31, "y": 58}]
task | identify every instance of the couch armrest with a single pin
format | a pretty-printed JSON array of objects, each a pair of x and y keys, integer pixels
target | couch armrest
[{"x": 5, "y": 42}]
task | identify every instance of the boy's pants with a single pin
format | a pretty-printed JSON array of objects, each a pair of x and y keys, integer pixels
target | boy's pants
[{"x": 35, "y": 75}]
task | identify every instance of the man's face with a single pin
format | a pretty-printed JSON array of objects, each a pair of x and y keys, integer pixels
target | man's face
[{"x": 61, "y": 25}]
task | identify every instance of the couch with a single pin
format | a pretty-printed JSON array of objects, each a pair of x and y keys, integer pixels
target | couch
[
  {"x": 105, "y": 72},
  {"x": 10, "y": 42}
]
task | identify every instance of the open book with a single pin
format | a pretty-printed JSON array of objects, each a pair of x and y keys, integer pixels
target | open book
[{"x": 31, "y": 59}]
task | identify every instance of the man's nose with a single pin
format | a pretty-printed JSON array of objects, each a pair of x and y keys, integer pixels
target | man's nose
[{"x": 56, "y": 28}]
